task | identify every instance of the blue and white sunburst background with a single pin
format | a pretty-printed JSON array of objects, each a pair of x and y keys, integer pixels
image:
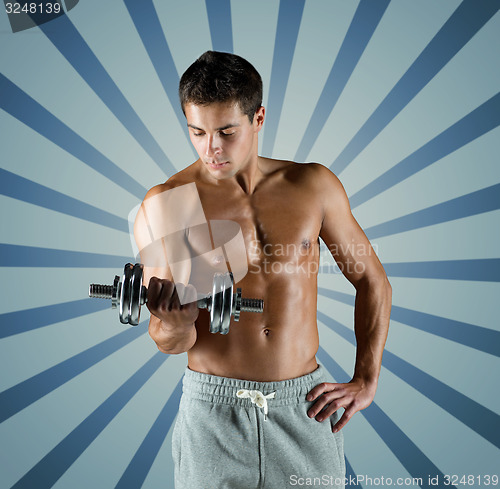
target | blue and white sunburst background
[{"x": 399, "y": 98}]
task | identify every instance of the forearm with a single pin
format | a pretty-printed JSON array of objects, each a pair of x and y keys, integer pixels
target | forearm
[
  {"x": 172, "y": 339},
  {"x": 371, "y": 324}
]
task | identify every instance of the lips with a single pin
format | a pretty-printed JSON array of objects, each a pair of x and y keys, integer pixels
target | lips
[{"x": 216, "y": 165}]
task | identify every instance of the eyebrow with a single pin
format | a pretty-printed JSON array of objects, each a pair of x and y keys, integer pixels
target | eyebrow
[{"x": 223, "y": 128}]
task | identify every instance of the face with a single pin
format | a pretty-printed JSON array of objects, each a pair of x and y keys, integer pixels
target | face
[{"x": 224, "y": 137}]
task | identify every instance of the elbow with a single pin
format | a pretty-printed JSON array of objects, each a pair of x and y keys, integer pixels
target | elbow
[
  {"x": 386, "y": 287},
  {"x": 386, "y": 292},
  {"x": 378, "y": 283},
  {"x": 172, "y": 351},
  {"x": 176, "y": 350}
]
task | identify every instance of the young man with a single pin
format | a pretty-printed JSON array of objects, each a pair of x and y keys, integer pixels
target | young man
[{"x": 256, "y": 410}]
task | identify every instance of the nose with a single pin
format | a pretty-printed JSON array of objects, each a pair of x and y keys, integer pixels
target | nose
[{"x": 212, "y": 148}]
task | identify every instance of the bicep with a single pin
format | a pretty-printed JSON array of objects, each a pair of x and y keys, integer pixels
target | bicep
[
  {"x": 344, "y": 237},
  {"x": 151, "y": 254},
  {"x": 155, "y": 249}
]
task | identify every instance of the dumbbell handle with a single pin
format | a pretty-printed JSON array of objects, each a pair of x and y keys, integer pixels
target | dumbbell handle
[
  {"x": 101, "y": 291},
  {"x": 247, "y": 305}
]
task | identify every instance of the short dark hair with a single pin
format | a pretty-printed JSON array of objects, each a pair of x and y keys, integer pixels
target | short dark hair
[{"x": 222, "y": 77}]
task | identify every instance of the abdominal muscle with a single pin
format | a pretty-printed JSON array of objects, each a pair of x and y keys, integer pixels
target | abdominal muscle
[{"x": 278, "y": 344}]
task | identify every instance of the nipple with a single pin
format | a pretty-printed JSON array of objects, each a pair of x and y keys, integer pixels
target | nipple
[{"x": 306, "y": 243}]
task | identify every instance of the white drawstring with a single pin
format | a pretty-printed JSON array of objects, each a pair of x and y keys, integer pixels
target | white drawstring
[{"x": 257, "y": 398}]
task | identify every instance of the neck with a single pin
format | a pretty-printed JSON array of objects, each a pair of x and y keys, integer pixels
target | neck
[{"x": 250, "y": 176}]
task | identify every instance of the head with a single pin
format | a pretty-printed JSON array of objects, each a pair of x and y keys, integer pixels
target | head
[
  {"x": 221, "y": 97},
  {"x": 217, "y": 77}
]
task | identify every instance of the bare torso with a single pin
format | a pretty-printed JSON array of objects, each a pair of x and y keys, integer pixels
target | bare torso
[{"x": 280, "y": 222}]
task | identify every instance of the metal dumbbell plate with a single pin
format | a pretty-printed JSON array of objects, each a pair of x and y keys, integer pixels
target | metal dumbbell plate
[
  {"x": 136, "y": 292},
  {"x": 222, "y": 300},
  {"x": 130, "y": 294},
  {"x": 216, "y": 304},
  {"x": 227, "y": 304}
]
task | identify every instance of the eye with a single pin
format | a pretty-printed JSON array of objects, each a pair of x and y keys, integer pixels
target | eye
[
  {"x": 198, "y": 133},
  {"x": 226, "y": 134}
]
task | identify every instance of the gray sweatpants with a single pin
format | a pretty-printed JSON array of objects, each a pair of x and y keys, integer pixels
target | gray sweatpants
[{"x": 223, "y": 438}]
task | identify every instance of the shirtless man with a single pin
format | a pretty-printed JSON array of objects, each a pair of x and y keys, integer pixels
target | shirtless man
[{"x": 255, "y": 410}]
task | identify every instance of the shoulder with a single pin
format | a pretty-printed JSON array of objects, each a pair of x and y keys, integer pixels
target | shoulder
[
  {"x": 163, "y": 200},
  {"x": 315, "y": 177},
  {"x": 183, "y": 177},
  {"x": 323, "y": 178},
  {"x": 320, "y": 181},
  {"x": 312, "y": 177},
  {"x": 303, "y": 172},
  {"x": 319, "y": 174}
]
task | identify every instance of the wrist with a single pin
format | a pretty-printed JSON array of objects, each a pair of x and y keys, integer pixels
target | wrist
[
  {"x": 171, "y": 338},
  {"x": 369, "y": 383}
]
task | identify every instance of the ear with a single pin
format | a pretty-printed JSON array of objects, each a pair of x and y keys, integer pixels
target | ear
[{"x": 258, "y": 118}]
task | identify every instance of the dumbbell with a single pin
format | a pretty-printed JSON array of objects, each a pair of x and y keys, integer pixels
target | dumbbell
[{"x": 128, "y": 295}]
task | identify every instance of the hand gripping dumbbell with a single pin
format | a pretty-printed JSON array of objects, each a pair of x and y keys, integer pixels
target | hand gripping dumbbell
[{"x": 128, "y": 295}]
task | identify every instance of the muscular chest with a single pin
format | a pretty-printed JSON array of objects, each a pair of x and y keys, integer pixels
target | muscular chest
[{"x": 276, "y": 224}]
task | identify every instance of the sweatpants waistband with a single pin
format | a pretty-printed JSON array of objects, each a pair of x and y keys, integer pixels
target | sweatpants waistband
[{"x": 223, "y": 390}]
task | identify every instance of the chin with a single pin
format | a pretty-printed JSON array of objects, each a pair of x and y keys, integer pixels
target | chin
[
  {"x": 225, "y": 176},
  {"x": 223, "y": 173}
]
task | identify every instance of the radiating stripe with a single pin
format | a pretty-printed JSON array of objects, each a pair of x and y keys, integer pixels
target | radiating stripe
[
  {"x": 485, "y": 422},
  {"x": 363, "y": 25},
  {"x": 53, "y": 465},
  {"x": 339, "y": 328},
  {"x": 482, "y": 270},
  {"x": 478, "y": 202},
  {"x": 404, "y": 449},
  {"x": 474, "y": 415},
  {"x": 459, "y": 29},
  {"x": 219, "y": 20},
  {"x": 140, "y": 465},
  {"x": 337, "y": 296},
  {"x": 287, "y": 30},
  {"x": 12, "y": 323},
  {"x": 477, "y": 337},
  {"x": 350, "y": 475},
  {"x": 416, "y": 463},
  {"x": 70, "y": 43},
  {"x": 20, "y": 188},
  {"x": 31, "y": 256},
  {"x": 478, "y": 122},
  {"x": 18, "y": 397},
  {"x": 20, "y": 105},
  {"x": 147, "y": 23}
]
